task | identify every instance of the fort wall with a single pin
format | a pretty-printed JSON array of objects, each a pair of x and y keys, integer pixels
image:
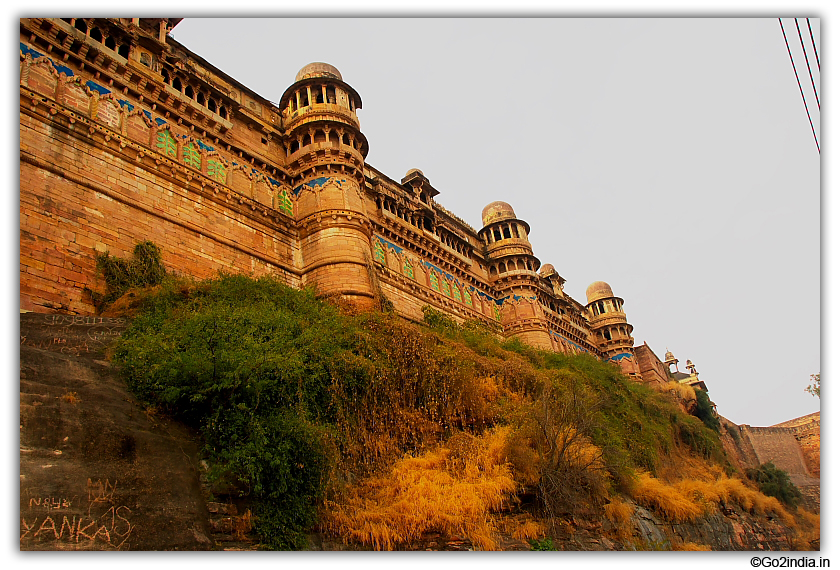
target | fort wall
[
  {"x": 126, "y": 136},
  {"x": 81, "y": 194}
]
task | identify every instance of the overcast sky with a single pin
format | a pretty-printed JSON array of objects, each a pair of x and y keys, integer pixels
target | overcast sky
[{"x": 671, "y": 158}]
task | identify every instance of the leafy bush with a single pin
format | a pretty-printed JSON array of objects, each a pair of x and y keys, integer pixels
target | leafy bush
[
  {"x": 144, "y": 269},
  {"x": 775, "y": 482},
  {"x": 705, "y": 412},
  {"x": 248, "y": 362},
  {"x": 543, "y": 544}
]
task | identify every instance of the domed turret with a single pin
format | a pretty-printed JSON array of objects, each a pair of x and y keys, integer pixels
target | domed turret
[
  {"x": 671, "y": 359},
  {"x": 497, "y": 212},
  {"x": 413, "y": 171},
  {"x": 547, "y": 270},
  {"x": 325, "y": 157},
  {"x": 319, "y": 112},
  {"x": 610, "y": 328},
  {"x": 597, "y": 291},
  {"x": 317, "y": 69},
  {"x": 512, "y": 269}
]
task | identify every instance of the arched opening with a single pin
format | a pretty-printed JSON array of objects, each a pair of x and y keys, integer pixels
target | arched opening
[
  {"x": 124, "y": 50},
  {"x": 96, "y": 34},
  {"x": 199, "y": 98},
  {"x": 176, "y": 84},
  {"x": 319, "y": 95},
  {"x": 211, "y": 104},
  {"x": 110, "y": 43},
  {"x": 345, "y": 139},
  {"x": 188, "y": 91},
  {"x": 493, "y": 271},
  {"x": 166, "y": 78},
  {"x": 506, "y": 232},
  {"x": 497, "y": 235},
  {"x": 520, "y": 265},
  {"x": 331, "y": 94},
  {"x": 304, "y": 99},
  {"x": 334, "y": 142},
  {"x": 294, "y": 147},
  {"x": 307, "y": 140},
  {"x": 223, "y": 112},
  {"x": 81, "y": 25},
  {"x": 320, "y": 136}
]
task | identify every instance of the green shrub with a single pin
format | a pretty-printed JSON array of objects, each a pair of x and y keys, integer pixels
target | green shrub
[
  {"x": 543, "y": 544},
  {"x": 705, "y": 412},
  {"x": 775, "y": 482},
  {"x": 144, "y": 269}
]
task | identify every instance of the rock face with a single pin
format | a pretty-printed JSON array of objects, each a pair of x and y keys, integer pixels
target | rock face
[
  {"x": 734, "y": 531},
  {"x": 97, "y": 472}
]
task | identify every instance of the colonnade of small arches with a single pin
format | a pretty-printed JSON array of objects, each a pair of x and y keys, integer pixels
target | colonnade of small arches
[
  {"x": 520, "y": 264},
  {"x": 335, "y": 137},
  {"x": 197, "y": 94},
  {"x": 498, "y": 232},
  {"x": 316, "y": 94},
  {"x": 116, "y": 42},
  {"x": 613, "y": 333},
  {"x": 605, "y": 306}
]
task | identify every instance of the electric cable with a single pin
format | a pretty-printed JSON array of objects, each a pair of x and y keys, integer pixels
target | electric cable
[
  {"x": 808, "y": 63},
  {"x": 800, "y": 85},
  {"x": 813, "y": 43}
]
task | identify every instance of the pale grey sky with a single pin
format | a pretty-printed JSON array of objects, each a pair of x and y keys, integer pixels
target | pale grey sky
[{"x": 671, "y": 158}]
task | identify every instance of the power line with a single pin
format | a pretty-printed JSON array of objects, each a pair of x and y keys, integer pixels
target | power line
[
  {"x": 808, "y": 63},
  {"x": 813, "y": 43},
  {"x": 800, "y": 85}
]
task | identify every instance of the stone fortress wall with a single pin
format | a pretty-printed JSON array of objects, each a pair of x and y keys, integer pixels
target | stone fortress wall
[{"x": 125, "y": 135}]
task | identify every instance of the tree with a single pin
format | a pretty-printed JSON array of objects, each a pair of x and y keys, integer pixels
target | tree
[{"x": 814, "y": 387}]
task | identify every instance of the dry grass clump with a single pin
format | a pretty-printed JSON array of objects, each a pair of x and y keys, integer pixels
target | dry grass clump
[
  {"x": 71, "y": 398},
  {"x": 688, "y": 499},
  {"x": 808, "y": 531},
  {"x": 682, "y": 391},
  {"x": 619, "y": 513},
  {"x": 667, "y": 500},
  {"x": 523, "y": 527},
  {"x": 452, "y": 490}
]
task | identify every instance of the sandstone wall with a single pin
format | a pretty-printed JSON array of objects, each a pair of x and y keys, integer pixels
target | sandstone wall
[{"x": 81, "y": 194}]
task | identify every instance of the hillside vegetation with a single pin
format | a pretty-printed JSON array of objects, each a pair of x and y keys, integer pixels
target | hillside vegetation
[{"x": 375, "y": 430}]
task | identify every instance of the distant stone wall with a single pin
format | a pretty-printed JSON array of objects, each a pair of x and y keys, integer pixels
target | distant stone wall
[{"x": 776, "y": 445}]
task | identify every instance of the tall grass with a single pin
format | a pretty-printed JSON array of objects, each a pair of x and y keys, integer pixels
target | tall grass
[
  {"x": 452, "y": 490},
  {"x": 689, "y": 499}
]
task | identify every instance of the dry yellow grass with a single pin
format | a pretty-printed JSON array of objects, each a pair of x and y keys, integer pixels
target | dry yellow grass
[
  {"x": 807, "y": 531},
  {"x": 682, "y": 391},
  {"x": 688, "y": 499},
  {"x": 71, "y": 397},
  {"x": 522, "y": 527},
  {"x": 449, "y": 490},
  {"x": 667, "y": 500},
  {"x": 619, "y": 512}
]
